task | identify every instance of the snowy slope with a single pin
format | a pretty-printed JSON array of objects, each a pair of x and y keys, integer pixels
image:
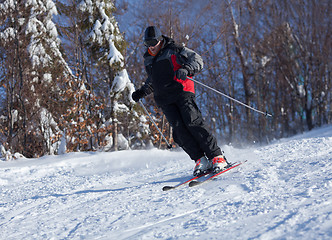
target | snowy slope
[{"x": 283, "y": 192}]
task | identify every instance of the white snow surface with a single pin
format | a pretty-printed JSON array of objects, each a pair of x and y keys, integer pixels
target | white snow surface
[{"x": 284, "y": 191}]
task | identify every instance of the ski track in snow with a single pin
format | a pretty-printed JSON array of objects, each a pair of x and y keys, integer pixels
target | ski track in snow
[{"x": 282, "y": 192}]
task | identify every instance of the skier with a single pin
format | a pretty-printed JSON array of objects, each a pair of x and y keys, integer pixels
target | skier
[{"x": 168, "y": 65}]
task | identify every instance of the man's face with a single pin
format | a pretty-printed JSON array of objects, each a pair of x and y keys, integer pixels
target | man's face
[{"x": 155, "y": 49}]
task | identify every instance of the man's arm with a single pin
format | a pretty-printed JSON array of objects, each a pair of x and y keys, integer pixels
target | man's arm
[{"x": 191, "y": 61}]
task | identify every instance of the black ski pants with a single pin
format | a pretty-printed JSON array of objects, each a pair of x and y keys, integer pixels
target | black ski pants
[{"x": 189, "y": 129}]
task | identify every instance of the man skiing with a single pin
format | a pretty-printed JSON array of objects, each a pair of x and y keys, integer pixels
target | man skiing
[{"x": 168, "y": 66}]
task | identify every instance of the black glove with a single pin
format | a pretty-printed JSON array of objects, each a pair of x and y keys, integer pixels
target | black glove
[
  {"x": 181, "y": 74},
  {"x": 137, "y": 95}
]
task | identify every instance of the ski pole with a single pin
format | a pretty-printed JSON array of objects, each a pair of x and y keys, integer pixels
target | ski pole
[
  {"x": 233, "y": 99},
  {"x": 169, "y": 146}
]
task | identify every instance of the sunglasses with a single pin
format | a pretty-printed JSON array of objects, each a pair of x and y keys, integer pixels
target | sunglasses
[{"x": 151, "y": 42}]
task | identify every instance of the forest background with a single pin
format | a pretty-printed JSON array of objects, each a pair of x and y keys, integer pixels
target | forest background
[{"x": 67, "y": 70}]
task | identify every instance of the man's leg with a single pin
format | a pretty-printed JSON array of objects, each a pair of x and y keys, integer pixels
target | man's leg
[
  {"x": 181, "y": 135},
  {"x": 194, "y": 123}
]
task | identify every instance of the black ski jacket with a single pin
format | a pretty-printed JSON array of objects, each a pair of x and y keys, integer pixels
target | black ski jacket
[{"x": 161, "y": 70}]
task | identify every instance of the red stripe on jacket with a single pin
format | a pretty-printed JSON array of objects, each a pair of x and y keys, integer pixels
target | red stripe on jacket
[{"x": 188, "y": 85}]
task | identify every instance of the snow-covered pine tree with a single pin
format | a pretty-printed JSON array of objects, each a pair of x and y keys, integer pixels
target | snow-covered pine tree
[
  {"x": 106, "y": 46},
  {"x": 91, "y": 35},
  {"x": 33, "y": 64}
]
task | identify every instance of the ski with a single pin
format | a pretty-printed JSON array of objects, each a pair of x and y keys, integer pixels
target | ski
[
  {"x": 166, "y": 188},
  {"x": 194, "y": 182}
]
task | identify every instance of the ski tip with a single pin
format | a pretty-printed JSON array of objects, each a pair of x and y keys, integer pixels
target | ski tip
[
  {"x": 166, "y": 188},
  {"x": 194, "y": 183}
]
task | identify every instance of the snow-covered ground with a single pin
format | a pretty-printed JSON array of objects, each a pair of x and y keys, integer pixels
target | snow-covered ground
[{"x": 284, "y": 191}]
